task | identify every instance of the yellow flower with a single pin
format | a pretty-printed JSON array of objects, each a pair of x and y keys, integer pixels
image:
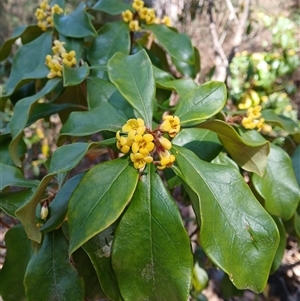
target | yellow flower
[
  {"x": 127, "y": 15},
  {"x": 171, "y": 125},
  {"x": 259, "y": 123},
  {"x": 166, "y": 143},
  {"x": 143, "y": 13},
  {"x": 134, "y": 25},
  {"x": 248, "y": 123},
  {"x": 266, "y": 128},
  {"x": 166, "y": 160},
  {"x": 40, "y": 14},
  {"x": 151, "y": 17},
  {"x": 123, "y": 143},
  {"x": 134, "y": 126},
  {"x": 44, "y": 5},
  {"x": 254, "y": 112},
  {"x": 69, "y": 58},
  {"x": 139, "y": 161},
  {"x": 167, "y": 21},
  {"x": 56, "y": 9},
  {"x": 42, "y": 25},
  {"x": 58, "y": 47},
  {"x": 143, "y": 144},
  {"x": 138, "y": 5}
]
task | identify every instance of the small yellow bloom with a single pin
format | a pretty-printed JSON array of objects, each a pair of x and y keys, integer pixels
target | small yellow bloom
[
  {"x": 123, "y": 143},
  {"x": 138, "y": 5},
  {"x": 44, "y": 5},
  {"x": 42, "y": 25},
  {"x": 134, "y": 25},
  {"x": 266, "y": 128},
  {"x": 143, "y": 13},
  {"x": 56, "y": 9},
  {"x": 143, "y": 144},
  {"x": 248, "y": 123},
  {"x": 167, "y": 21},
  {"x": 58, "y": 47},
  {"x": 127, "y": 16},
  {"x": 166, "y": 160},
  {"x": 254, "y": 112},
  {"x": 151, "y": 17},
  {"x": 166, "y": 143},
  {"x": 139, "y": 161},
  {"x": 69, "y": 58},
  {"x": 134, "y": 126},
  {"x": 171, "y": 125},
  {"x": 259, "y": 123}
]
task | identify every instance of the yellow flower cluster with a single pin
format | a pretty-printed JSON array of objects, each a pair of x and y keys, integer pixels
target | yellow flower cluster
[
  {"x": 44, "y": 14},
  {"x": 143, "y": 14},
  {"x": 60, "y": 57},
  {"x": 145, "y": 143},
  {"x": 252, "y": 120}
]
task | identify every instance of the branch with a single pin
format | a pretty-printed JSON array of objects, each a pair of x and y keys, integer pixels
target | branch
[{"x": 221, "y": 61}]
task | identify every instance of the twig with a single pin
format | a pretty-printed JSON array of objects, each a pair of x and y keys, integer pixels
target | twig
[{"x": 4, "y": 224}]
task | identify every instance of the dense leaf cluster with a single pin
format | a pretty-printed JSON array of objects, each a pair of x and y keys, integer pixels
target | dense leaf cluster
[{"x": 114, "y": 231}]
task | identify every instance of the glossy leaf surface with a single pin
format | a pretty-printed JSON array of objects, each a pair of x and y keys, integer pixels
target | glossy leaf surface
[
  {"x": 47, "y": 266},
  {"x": 204, "y": 143},
  {"x": 98, "y": 249},
  {"x": 112, "y": 7},
  {"x": 74, "y": 76},
  {"x": 27, "y": 65},
  {"x": 178, "y": 45},
  {"x": 249, "y": 154},
  {"x": 182, "y": 86},
  {"x": 152, "y": 230},
  {"x": 113, "y": 37},
  {"x": 105, "y": 117},
  {"x": 21, "y": 114},
  {"x": 278, "y": 186},
  {"x": 12, "y": 176},
  {"x": 77, "y": 24},
  {"x": 19, "y": 252},
  {"x": 201, "y": 103},
  {"x": 236, "y": 232},
  {"x": 93, "y": 210},
  {"x": 133, "y": 76}
]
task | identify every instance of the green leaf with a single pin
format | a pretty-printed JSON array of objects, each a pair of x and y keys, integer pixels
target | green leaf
[
  {"x": 236, "y": 232},
  {"x": 18, "y": 253},
  {"x": 63, "y": 159},
  {"x": 99, "y": 91},
  {"x": 59, "y": 205},
  {"x": 99, "y": 200},
  {"x": 42, "y": 110},
  {"x": 103, "y": 118},
  {"x": 12, "y": 176},
  {"x": 201, "y": 103},
  {"x": 21, "y": 115},
  {"x": 4, "y": 152},
  {"x": 282, "y": 121},
  {"x": 98, "y": 249},
  {"x": 152, "y": 230},
  {"x": 11, "y": 201},
  {"x": 133, "y": 76},
  {"x": 178, "y": 45},
  {"x": 50, "y": 275},
  {"x": 113, "y": 37},
  {"x": 204, "y": 143},
  {"x": 296, "y": 163},
  {"x": 278, "y": 186},
  {"x": 86, "y": 270},
  {"x": 182, "y": 86},
  {"x": 75, "y": 76},
  {"x": 20, "y": 31},
  {"x": 76, "y": 24},
  {"x": 249, "y": 154},
  {"x": 112, "y": 7},
  {"x": 28, "y": 63},
  {"x": 188, "y": 70},
  {"x": 281, "y": 247}
]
